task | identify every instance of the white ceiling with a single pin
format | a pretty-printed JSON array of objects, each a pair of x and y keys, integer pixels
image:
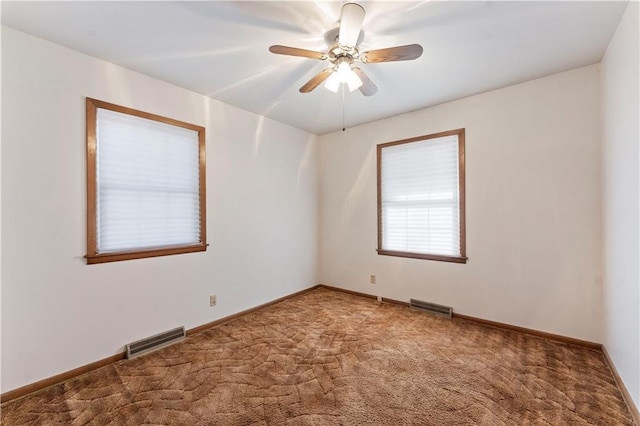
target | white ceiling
[{"x": 220, "y": 49}]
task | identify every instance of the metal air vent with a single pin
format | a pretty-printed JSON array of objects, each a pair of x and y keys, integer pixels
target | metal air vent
[
  {"x": 445, "y": 311},
  {"x": 153, "y": 343}
]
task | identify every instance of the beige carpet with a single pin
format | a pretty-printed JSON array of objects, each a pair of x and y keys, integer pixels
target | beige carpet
[{"x": 329, "y": 358}]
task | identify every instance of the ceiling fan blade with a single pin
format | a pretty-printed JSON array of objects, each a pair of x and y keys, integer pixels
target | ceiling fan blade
[
  {"x": 351, "y": 19},
  {"x": 368, "y": 88},
  {"x": 390, "y": 54},
  {"x": 294, "y": 51},
  {"x": 316, "y": 80}
]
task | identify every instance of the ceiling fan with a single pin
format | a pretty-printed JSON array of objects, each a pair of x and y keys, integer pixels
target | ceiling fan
[{"x": 344, "y": 50}]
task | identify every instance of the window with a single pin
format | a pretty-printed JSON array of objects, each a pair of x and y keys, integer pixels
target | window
[
  {"x": 421, "y": 197},
  {"x": 145, "y": 184}
]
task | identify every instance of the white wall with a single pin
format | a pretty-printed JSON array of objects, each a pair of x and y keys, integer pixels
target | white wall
[
  {"x": 621, "y": 187},
  {"x": 261, "y": 215},
  {"x": 533, "y": 207}
]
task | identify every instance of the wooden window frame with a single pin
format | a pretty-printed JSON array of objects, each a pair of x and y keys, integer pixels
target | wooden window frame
[
  {"x": 92, "y": 256},
  {"x": 461, "y": 193}
]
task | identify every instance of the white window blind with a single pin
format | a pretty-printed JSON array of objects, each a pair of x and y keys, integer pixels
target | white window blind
[
  {"x": 420, "y": 206},
  {"x": 147, "y": 176}
]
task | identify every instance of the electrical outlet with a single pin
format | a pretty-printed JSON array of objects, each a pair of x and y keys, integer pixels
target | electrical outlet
[
  {"x": 379, "y": 298},
  {"x": 213, "y": 300},
  {"x": 372, "y": 279}
]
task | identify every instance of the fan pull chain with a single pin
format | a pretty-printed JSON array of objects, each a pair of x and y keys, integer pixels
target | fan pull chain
[{"x": 343, "y": 125}]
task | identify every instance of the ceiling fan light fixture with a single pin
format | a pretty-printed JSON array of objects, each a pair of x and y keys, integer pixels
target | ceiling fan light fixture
[
  {"x": 344, "y": 71},
  {"x": 333, "y": 82},
  {"x": 348, "y": 76},
  {"x": 343, "y": 74},
  {"x": 354, "y": 81}
]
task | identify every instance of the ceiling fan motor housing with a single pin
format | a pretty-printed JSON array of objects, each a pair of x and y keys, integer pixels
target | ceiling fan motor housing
[{"x": 337, "y": 52}]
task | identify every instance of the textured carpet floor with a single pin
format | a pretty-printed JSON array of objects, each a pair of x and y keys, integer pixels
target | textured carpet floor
[{"x": 329, "y": 358}]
